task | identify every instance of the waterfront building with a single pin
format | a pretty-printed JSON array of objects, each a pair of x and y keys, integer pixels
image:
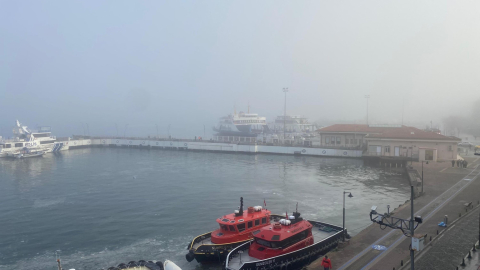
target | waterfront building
[{"x": 394, "y": 141}]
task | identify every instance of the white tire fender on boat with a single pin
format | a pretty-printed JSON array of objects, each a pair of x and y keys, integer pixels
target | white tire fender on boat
[{"x": 169, "y": 265}]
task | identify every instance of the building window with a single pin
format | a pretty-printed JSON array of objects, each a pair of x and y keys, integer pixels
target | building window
[
  {"x": 339, "y": 140},
  {"x": 332, "y": 140},
  {"x": 387, "y": 149}
]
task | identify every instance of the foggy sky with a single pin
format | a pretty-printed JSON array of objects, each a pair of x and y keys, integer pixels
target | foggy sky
[{"x": 187, "y": 63}]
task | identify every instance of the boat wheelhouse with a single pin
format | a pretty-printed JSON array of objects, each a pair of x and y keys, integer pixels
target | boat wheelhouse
[
  {"x": 290, "y": 243},
  {"x": 234, "y": 229}
]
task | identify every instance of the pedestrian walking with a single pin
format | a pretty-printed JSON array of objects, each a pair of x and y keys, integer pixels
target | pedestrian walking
[
  {"x": 326, "y": 263},
  {"x": 458, "y": 162},
  {"x": 453, "y": 162},
  {"x": 465, "y": 163}
]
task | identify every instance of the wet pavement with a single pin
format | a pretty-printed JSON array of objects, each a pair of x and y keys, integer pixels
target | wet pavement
[
  {"x": 447, "y": 189},
  {"x": 448, "y": 251}
]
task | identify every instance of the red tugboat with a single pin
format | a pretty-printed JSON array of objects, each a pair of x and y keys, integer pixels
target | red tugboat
[
  {"x": 290, "y": 243},
  {"x": 234, "y": 230}
]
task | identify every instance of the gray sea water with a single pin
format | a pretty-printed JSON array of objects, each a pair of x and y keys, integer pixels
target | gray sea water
[{"x": 99, "y": 207}]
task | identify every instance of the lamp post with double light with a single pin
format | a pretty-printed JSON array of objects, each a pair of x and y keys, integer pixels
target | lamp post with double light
[{"x": 350, "y": 196}]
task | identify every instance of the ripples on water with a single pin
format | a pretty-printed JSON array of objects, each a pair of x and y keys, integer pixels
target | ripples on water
[{"x": 101, "y": 207}]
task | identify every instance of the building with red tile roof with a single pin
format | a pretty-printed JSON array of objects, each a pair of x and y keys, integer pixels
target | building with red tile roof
[{"x": 390, "y": 141}]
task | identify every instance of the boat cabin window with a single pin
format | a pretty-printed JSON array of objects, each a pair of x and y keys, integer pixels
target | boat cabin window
[
  {"x": 257, "y": 222},
  {"x": 19, "y": 145},
  {"x": 8, "y": 145},
  {"x": 264, "y": 220},
  {"x": 224, "y": 227},
  {"x": 267, "y": 243},
  {"x": 241, "y": 227},
  {"x": 41, "y": 135},
  {"x": 294, "y": 239},
  {"x": 232, "y": 228},
  {"x": 250, "y": 224},
  {"x": 46, "y": 142}
]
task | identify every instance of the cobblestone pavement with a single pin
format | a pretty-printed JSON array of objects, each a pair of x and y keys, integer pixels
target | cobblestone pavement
[{"x": 448, "y": 251}]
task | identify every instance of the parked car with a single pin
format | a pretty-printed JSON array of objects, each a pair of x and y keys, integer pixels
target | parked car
[{"x": 468, "y": 144}]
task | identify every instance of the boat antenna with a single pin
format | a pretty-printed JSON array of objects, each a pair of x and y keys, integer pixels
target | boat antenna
[
  {"x": 296, "y": 209},
  {"x": 240, "y": 211}
]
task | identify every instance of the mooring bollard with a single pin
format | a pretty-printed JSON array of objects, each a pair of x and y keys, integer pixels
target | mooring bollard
[
  {"x": 437, "y": 232},
  {"x": 463, "y": 262},
  {"x": 401, "y": 263},
  {"x": 430, "y": 238},
  {"x": 466, "y": 209},
  {"x": 474, "y": 249},
  {"x": 459, "y": 214},
  {"x": 469, "y": 255}
]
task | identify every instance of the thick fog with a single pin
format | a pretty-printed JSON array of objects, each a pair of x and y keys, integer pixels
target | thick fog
[{"x": 99, "y": 65}]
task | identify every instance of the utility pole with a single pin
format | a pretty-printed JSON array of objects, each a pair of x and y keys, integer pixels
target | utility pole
[
  {"x": 406, "y": 226},
  {"x": 116, "y": 126},
  {"x": 367, "y": 97},
  {"x": 157, "y": 130},
  {"x": 285, "y": 90},
  {"x": 403, "y": 108},
  {"x": 125, "y": 131},
  {"x": 412, "y": 229}
]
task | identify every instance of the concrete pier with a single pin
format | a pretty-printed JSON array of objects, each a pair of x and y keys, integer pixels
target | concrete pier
[{"x": 214, "y": 147}]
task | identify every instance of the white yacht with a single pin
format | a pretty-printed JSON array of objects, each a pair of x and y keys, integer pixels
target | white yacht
[{"x": 40, "y": 139}]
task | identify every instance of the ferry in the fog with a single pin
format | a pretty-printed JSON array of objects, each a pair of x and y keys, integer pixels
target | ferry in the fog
[{"x": 241, "y": 124}]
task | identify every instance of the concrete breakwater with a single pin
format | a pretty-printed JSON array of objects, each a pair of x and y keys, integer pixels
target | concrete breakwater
[{"x": 213, "y": 146}]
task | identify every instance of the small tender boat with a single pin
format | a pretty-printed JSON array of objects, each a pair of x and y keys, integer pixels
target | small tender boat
[
  {"x": 290, "y": 243},
  {"x": 234, "y": 230},
  {"x": 27, "y": 153}
]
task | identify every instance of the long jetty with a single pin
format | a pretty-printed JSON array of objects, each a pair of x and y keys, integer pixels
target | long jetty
[{"x": 212, "y": 146}]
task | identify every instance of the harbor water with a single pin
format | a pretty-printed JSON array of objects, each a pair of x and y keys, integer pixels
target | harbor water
[{"x": 98, "y": 207}]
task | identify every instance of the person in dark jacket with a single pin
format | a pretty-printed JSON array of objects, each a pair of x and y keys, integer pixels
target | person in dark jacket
[
  {"x": 465, "y": 163},
  {"x": 453, "y": 162},
  {"x": 326, "y": 263},
  {"x": 458, "y": 162}
]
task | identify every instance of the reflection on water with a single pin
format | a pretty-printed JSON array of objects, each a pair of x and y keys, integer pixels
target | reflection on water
[{"x": 102, "y": 206}]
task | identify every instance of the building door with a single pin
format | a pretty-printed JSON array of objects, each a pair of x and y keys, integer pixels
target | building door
[
  {"x": 397, "y": 151},
  {"x": 428, "y": 154}
]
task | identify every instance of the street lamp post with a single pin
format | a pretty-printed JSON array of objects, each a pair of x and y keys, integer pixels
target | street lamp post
[
  {"x": 116, "y": 126},
  {"x": 285, "y": 90},
  {"x": 157, "y": 130},
  {"x": 169, "y": 131},
  {"x": 367, "y": 97},
  {"x": 350, "y": 196}
]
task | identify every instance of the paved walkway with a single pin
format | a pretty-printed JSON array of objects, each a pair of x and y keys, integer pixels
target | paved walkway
[
  {"x": 446, "y": 188},
  {"x": 447, "y": 252}
]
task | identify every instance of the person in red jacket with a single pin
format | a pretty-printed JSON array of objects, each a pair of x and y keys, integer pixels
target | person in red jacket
[{"x": 326, "y": 263}]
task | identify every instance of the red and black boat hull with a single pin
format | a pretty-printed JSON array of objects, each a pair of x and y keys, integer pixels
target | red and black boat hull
[{"x": 293, "y": 260}]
